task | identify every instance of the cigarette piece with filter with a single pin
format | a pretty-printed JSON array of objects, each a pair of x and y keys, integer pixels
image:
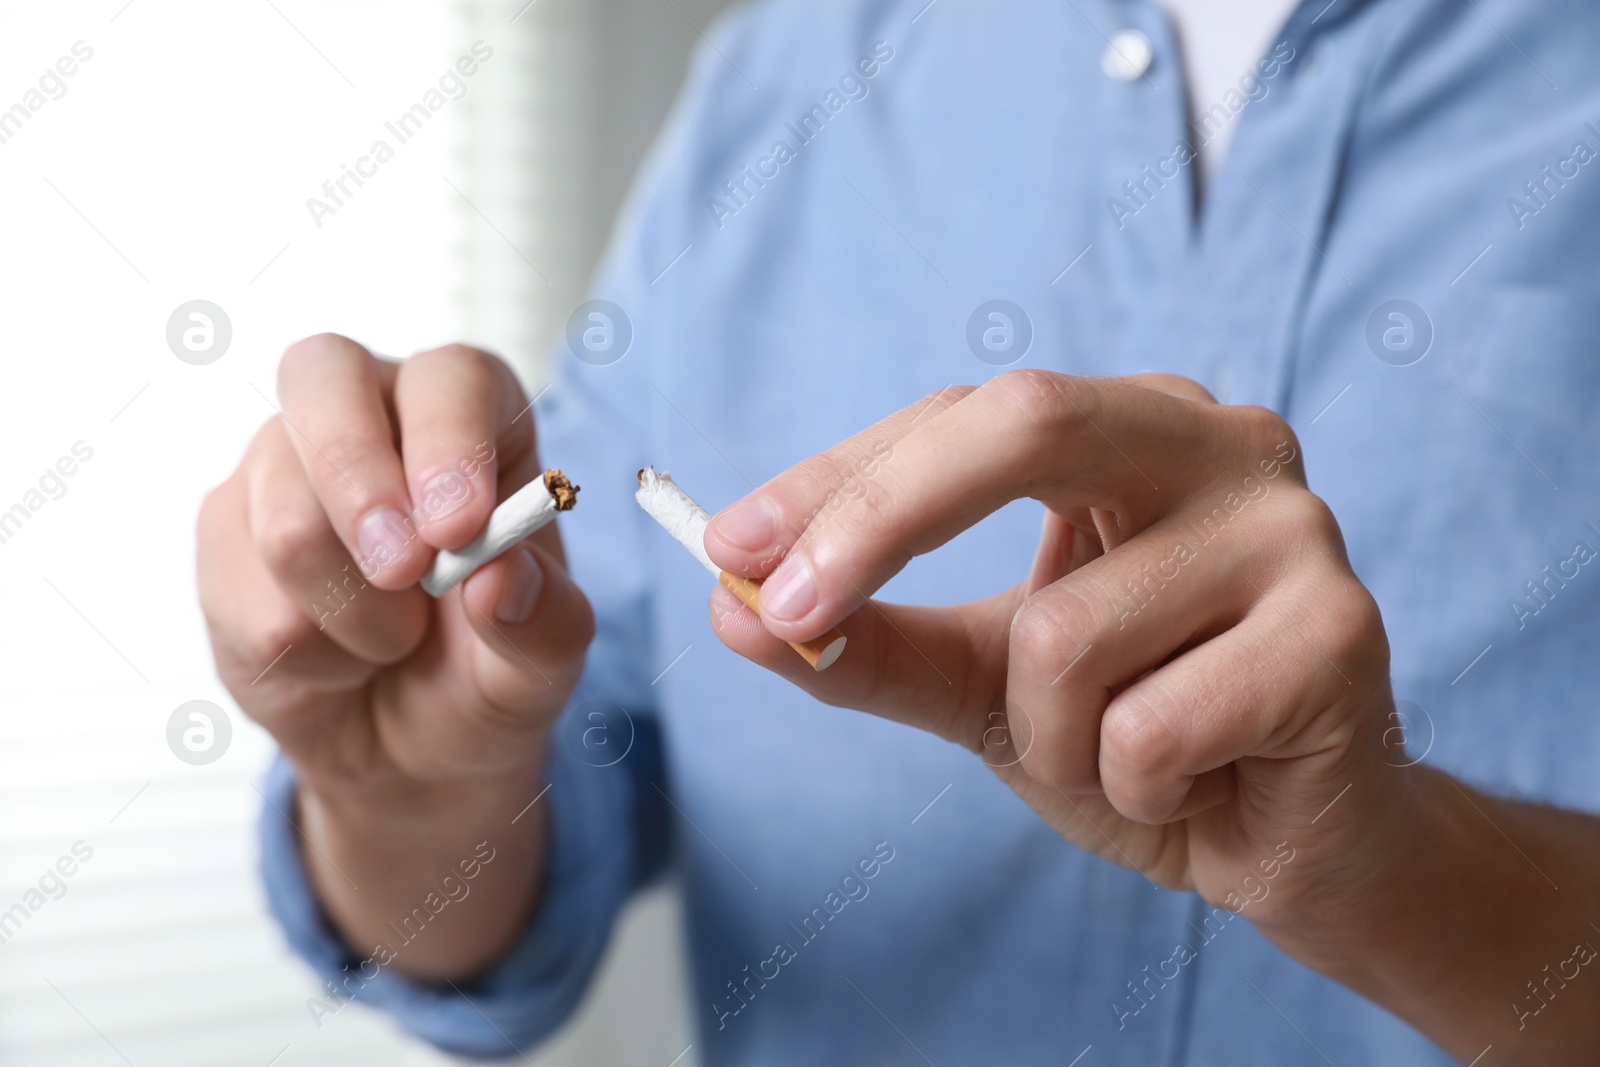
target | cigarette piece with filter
[
  {"x": 518, "y": 515},
  {"x": 686, "y": 521}
]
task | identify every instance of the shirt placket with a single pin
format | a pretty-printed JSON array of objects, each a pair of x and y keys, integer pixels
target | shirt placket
[{"x": 1258, "y": 244}]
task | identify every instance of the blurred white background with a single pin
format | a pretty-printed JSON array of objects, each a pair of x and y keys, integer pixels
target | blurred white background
[{"x": 175, "y": 164}]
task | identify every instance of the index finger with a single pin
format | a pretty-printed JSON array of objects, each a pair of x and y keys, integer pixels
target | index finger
[
  {"x": 750, "y": 536},
  {"x": 1066, "y": 441}
]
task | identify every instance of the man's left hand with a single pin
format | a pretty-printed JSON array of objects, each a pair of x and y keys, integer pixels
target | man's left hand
[{"x": 1189, "y": 681}]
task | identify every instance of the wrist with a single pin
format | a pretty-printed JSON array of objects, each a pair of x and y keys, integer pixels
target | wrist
[
  {"x": 1460, "y": 914},
  {"x": 1370, "y": 891},
  {"x": 396, "y": 799},
  {"x": 375, "y": 850}
]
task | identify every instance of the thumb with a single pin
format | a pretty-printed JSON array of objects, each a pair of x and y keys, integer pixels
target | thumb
[
  {"x": 938, "y": 669},
  {"x": 527, "y": 626}
]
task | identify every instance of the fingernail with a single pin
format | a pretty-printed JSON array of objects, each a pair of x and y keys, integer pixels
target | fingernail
[
  {"x": 791, "y": 592},
  {"x": 751, "y": 525},
  {"x": 524, "y": 580},
  {"x": 444, "y": 495},
  {"x": 381, "y": 538}
]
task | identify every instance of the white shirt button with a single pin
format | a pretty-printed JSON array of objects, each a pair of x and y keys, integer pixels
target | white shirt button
[{"x": 1127, "y": 57}]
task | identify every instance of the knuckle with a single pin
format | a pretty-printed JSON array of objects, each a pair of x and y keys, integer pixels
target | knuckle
[
  {"x": 343, "y": 450},
  {"x": 1044, "y": 400},
  {"x": 271, "y": 630},
  {"x": 459, "y": 357},
  {"x": 1047, "y": 622},
  {"x": 1305, "y": 517},
  {"x": 831, "y": 481},
  {"x": 301, "y": 356},
  {"x": 1136, "y": 739},
  {"x": 355, "y": 466},
  {"x": 1176, "y": 385},
  {"x": 271, "y": 436},
  {"x": 942, "y": 400},
  {"x": 291, "y": 538},
  {"x": 1265, "y": 433},
  {"x": 1349, "y": 625},
  {"x": 1262, "y": 425}
]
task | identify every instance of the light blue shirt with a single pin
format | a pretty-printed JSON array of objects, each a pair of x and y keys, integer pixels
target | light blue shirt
[{"x": 935, "y": 158}]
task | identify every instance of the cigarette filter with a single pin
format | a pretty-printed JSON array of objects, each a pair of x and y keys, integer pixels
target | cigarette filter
[
  {"x": 518, "y": 515},
  {"x": 686, "y": 521}
]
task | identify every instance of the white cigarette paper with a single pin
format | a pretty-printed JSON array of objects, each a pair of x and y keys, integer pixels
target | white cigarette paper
[
  {"x": 518, "y": 515},
  {"x": 686, "y": 521},
  {"x": 678, "y": 514}
]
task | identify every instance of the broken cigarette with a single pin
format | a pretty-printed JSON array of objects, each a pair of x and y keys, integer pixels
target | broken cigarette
[
  {"x": 686, "y": 521},
  {"x": 518, "y": 515}
]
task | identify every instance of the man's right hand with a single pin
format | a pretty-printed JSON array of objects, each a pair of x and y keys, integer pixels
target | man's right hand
[{"x": 417, "y": 726}]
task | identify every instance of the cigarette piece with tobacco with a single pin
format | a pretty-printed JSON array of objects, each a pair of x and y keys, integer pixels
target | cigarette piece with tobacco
[
  {"x": 518, "y": 515},
  {"x": 686, "y": 521}
]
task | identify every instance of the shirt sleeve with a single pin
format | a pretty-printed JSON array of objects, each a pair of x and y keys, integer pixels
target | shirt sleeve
[{"x": 605, "y": 769}]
